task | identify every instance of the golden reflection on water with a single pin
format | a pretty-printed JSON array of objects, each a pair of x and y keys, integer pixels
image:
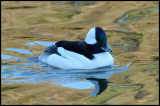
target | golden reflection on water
[{"x": 132, "y": 28}]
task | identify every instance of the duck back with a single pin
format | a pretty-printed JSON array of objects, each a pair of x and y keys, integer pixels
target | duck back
[{"x": 75, "y": 46}]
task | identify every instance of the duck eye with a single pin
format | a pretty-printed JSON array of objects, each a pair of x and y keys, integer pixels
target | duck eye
[{"x": 104, "y": 44}]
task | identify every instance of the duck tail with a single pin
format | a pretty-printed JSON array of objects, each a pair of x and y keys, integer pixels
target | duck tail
[
  {"x": 49, "y": 50},
  {"x": 32, "y": 59}
]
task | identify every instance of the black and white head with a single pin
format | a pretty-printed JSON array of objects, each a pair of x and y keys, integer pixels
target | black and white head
[{"x": 96, "y": 41}]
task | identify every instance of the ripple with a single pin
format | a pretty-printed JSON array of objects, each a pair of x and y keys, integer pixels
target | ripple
[
  {"x": 138, "y": 14},
  {"x": 8, "y": 57},
  {"x": 30, "y": 43},
  {"x": 19, "y": 50},
  {"x": 75, "y": 3},
  {"x": 78, "y": 79},
  {"x": 44, "y": 43},
  {"x": 79, "y": 85}
]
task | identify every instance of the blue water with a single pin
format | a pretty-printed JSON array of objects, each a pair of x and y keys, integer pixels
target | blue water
[
  {"x": 156, "y": 10},
  {"x": 66, "y": 78},
  {"x": 19, "y": 50},
  {"x": 40, "y": 43},
  {"x": 44, "y": 43},
  {"x": 8, "y": 57},
  {"x": 30, "y": 43}
]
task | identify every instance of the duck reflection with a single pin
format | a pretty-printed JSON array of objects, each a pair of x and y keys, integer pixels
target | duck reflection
[
  {"x": 100, "y": 85},
  {"x": 79, "y": 79},
  {"x": 98, "y": 77}
]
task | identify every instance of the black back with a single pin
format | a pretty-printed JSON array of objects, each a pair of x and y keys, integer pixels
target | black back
[{"x": 75, "y": 46}]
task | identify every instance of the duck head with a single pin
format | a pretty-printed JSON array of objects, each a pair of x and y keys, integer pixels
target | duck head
[{"x": 96, "y": 41}]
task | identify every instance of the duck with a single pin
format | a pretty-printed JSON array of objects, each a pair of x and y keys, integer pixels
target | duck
[{"x": 91, "y": 53}]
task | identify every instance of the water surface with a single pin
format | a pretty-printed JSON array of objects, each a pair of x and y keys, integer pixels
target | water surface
[{"x": 132, "y": 29}]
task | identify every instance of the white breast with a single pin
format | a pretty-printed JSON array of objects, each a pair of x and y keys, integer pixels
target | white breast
[{"x": 72, "y": 60}]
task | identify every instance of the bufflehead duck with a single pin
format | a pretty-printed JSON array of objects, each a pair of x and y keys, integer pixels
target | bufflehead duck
[{"x": 91, "y": 53}]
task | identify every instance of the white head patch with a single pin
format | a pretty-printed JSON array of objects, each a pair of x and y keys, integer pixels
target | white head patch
[{"x": 91, "y": 36}]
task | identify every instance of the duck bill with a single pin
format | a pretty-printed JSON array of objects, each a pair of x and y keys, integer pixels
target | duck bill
[{"x": 106, "y": 48}]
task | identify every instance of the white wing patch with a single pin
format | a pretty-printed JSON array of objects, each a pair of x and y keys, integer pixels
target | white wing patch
[
  {"x": 65, "y": 61},
  {"x": 72, "y": 60}
]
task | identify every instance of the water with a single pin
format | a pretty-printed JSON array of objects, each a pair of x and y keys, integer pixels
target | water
[
  {"x": 75, "y": 3},
  {"x": 66, "y": 78},
  {"x": 44, "y": 43},
  {"x": 19, "y": 50},
  {"x": 8, "y": 57},
  {"x": 133, "y": 35},
  {"x": 139, "y": 14}
]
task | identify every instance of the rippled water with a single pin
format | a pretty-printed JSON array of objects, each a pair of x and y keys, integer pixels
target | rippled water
[
  {"x": 138, "y": 14},
  {"x": 132, "y": 29},
  {"x": 66, "y": 78}
]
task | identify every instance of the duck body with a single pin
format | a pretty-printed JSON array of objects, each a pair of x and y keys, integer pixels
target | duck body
[{"x": 88, "y": 54}]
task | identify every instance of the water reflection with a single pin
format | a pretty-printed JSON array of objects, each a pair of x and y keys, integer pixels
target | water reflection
[
  {"x": 135, "y": 15},
  {"x": 40, "y": 43},
  {"x": 75, "y": 3},
  {"x": 44, "y": 43},
  {"x": 79, "y": 79},
  {"x": 95, "y": 76},
  {"x": 100, "y": 85},
  {"x": 8, "y": 57},
  {"x": 19, "y": 50}
]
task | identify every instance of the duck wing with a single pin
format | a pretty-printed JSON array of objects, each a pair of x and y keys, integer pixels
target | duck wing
[
  {"x": 49, "y": 51},
  {"x": 76, "y": 47}
]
